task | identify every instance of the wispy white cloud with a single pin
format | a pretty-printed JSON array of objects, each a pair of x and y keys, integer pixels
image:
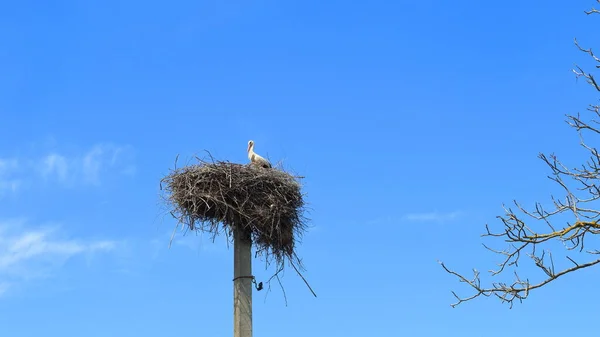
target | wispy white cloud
[
  {"x": 55, "y": 164},
  {"x": 89, "y": 167},
  {"x": 106, "y": 156},
  {"x": 8, "y": 175},
  {"x": 6, "y": 165},
  {"x": 91, "y": 164},
  {"x": 35, "y": 252},
  {"x": 432, "y": 216},
  {"x": 4, "y": 288}
]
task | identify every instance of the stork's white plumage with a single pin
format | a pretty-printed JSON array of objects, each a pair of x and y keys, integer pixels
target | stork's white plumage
[{"x": 255, "y": 159}]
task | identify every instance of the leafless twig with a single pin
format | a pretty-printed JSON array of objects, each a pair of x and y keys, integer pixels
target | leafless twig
[{"x": 581, "y": 188}]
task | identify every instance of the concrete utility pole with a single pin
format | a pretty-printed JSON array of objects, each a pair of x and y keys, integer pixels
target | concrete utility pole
[{"x": 242, "y": 284}]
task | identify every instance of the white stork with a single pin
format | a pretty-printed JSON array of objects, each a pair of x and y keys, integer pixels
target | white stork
[{"x": 255, "y": 159}]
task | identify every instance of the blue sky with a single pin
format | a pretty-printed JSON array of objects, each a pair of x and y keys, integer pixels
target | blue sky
[{"x": 413, "y": 121}]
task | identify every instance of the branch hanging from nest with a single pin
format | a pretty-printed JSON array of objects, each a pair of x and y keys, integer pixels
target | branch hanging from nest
[{"x": 267, "y": 204}]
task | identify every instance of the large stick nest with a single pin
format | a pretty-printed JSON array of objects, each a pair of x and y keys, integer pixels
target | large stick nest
[{"x": 266, "y": 204}]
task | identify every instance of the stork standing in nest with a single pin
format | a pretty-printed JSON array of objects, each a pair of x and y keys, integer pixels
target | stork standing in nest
[{"x": 255, "y": 159}]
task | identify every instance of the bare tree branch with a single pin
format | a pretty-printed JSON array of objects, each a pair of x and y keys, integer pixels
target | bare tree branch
[
  {"x": 593, "y": 10},
  {"x": 575, "y": 210}
]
